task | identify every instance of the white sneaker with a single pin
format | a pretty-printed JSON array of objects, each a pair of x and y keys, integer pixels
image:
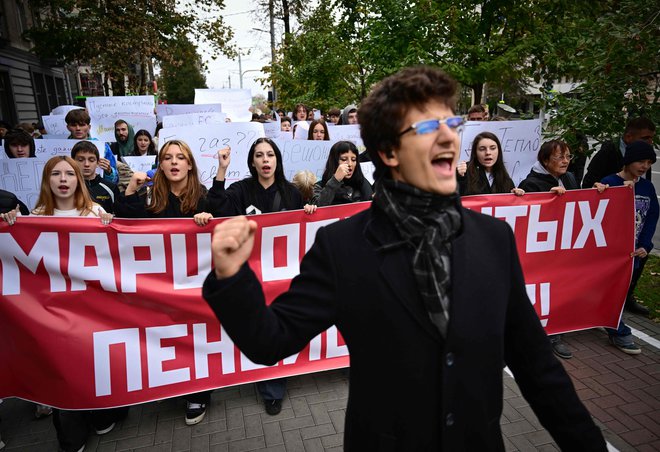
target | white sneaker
[
  {"x": 103, "y": 431},
  {"x": 195, "y": 412}
]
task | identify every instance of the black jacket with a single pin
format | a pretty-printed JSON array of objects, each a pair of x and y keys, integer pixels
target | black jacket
[
  {"x": 608, "y": 160},
  {"x": 537, "y": 182},
  {"x": 453, "y": 387},
  {"x": 248, "y": 192},
  {"x": 9, "y": 201},
  {"x": 484, "y": 188},
  {"x": 134, "y": 206},
  {"x": 336, "y": 192},
  {"x": 104, "y": 193}
]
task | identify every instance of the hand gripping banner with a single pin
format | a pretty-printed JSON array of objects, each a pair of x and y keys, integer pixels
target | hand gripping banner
[{"x": 95, "y": 316}]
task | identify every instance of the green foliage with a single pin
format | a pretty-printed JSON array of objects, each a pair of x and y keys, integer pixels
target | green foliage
[
  {"x": 115, "y": 36},
  {"x": 614, "y": 52},
  {"x": 182, "y": 74}
]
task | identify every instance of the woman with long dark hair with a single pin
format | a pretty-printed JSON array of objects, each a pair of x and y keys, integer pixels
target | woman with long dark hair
[
  {"x": 485, "y": 172},
  {"x": 143, "y": 144},
  {"x": 342, "y": 181}
]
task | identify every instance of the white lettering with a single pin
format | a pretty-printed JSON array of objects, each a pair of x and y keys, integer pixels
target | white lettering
[
  {"x": 157, "y": 354},
  {"x": 203, "y": 349},
  {"x": 131, "y": 267},
  {"x": 292, "y": 267},
  {"x": 79, "y": 272},
  {"x": 536, "y": 227},
  {"x": 334, "y": 349},
  {"x": 544, "y": 296},
  {"x": 102, "y": 340},
  {"x": 510, "y": 213},
  {"x": 591, "y": 224},
  {"x": 179, "y": 266}
]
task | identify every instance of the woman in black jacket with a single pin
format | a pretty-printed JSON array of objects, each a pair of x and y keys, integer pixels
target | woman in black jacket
[
  {"x": 342, "y": 181},
  {"x": 550, "y": 172},
  {"x": 485, "y": 173}
]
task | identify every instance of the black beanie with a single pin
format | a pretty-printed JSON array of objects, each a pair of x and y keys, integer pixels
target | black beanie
[{"x": 638, "y": 151}]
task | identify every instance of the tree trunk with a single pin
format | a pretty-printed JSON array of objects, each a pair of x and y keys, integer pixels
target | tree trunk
[
  {"x": 478, "y": 93},
  {"x": 285, "y": 16}
]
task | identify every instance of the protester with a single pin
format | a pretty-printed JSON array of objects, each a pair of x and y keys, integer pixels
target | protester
[
  {"x": 9, "y": 201},
  {"x": 78, "y": 125},
  {"x": 310, "y": 114},
  {"x": 267, "y": 190},
  {"x": 19, "y": 144},
  {"x": 285, "y": 124},
  {"x": 609, "y": 159},
  {"x": 63, "y": 194},
  {"x": 333, "y": 115},
  {"x": 176, "y": 193},
  {"x": 485, "y": 173},
  {"x": 318, "y": 131},
  {"x": 349, "y": 115},
  {"x": 637, "y": 160},
  {"x": 477, "y": 112},
  {"x": 102, "y": 192},
  {"x": 342, "y": 181},
  {"x": 550, "y": 173},
  {"x": 300, "y": 112},
  {"x": 143, "y": 144},
  {"x": 427, "y": 295},
  {"x": 124, "y": 136}
]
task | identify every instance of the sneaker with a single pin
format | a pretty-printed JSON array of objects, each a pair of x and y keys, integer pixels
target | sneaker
[
  {"x": 560, "y": 348},
  {"x": 195, "y": 413},
  {"x": 42, "y": 411},
  {"x": 630, "y": 349},
  {"x": 103, "y": 431},
  {"x": 273, "y": 407}
]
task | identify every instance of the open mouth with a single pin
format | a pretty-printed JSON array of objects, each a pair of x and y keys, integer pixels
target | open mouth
[
  {"x": 63, "y": 188},
  {"x": 265, "y": 168},
  {"x": 443, "y": 164}
]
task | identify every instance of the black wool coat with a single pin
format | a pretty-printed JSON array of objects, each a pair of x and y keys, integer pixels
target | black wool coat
[{"x": 410, "y": 389}]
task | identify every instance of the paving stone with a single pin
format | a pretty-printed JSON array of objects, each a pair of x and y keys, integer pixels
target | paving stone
[
  {"x": 228, "y": 436},
  {"x": 273, "y": 434},
  {"x": 293, "y": 441},
  {"x": 313, "y": 445},
  {"x": 638, "y": 437},
  {"x": 246, "y": 444},
  {"x": 296, "y": 423},
  {"x": 136, "y": 441},
  {"x": 253, "y": 426},
  {"x": 317, "y": 431},
  {"x": 200, "y": 443},
  {"x": 165, "y": 447},
  {"x": 320, "y": 413}
]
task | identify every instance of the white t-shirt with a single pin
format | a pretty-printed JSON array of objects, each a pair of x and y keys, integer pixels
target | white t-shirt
[{"x": 97, "y": 210}]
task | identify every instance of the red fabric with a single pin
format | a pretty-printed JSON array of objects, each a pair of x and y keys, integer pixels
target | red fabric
[{"x": 142, "y": 295}]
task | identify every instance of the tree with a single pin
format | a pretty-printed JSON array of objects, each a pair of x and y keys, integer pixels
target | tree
[
  {"x": 182, "y": 74},
  {"x": 614, "y": 53},
  {"x": 121, "y": 37}
]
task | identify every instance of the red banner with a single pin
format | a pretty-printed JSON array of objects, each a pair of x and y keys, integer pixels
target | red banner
[{"x": 99, "y": 316}]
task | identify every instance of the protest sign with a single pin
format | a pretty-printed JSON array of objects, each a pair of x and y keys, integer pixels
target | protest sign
[
  {"x": 300, "y": 130},
  {"x": 104, "y": 129},
  {"x": 206, "y": 141},
  {"x": 119, "y": 107},
  {"x": 143, "y": 163},
  {"x": 55, "y": 124},
  {"x": 62, "y": 110},
  {"x": 303, "y": 155},
  {"x": 123, "y": 302},
  {"x": 163, "y": 110},
  {"x": 50, "y": 136},
  {"x": 348, "y": 132},
  {"x": 45, "y": 149},
  {"x": 272, "y": 129},
  {"x": 194, "y": 119},
  {"x": 521, "y": 141},
  {"x": 235, "y": 102}
]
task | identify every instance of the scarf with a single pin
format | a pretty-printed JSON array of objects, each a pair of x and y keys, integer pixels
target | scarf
[{"x": 427, "y": 223}]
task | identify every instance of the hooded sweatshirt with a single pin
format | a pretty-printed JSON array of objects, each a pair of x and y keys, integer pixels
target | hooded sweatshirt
[{"x": 345, "y": 112}]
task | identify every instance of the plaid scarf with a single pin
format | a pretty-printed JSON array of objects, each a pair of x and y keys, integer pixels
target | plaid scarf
[{"x": 427, "y": 222}]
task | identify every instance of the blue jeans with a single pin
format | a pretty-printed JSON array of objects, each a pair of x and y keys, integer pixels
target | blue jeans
[
  {"x": 622, "y": 335},
  {"x": 272, "y": 389}
]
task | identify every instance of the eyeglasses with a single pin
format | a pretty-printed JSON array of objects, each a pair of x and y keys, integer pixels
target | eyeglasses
[
  {"x": 559, "y": 158},
  {"x": 431, "y": 125}
]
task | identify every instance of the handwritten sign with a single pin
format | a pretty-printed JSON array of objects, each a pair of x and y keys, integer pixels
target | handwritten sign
[
  {"x": 206, "y": 141},
  {"x": 62, "y": 110},
  {"x": 521, "y": 141},
  {"x": 300, "y": 155},
  {"x": 143, "y": 163},
  {"x": 104, "y": 129},
  {"x": 194, "y": 119},
  {"x": 118, "y": 107},
  {"x": 50, "y": 136},
  {"x": 235, "y": 102},
  {"x": 45, "y": 149},
  {"x": 347, "y": 132},
  {"x": 22, "y": 177},
  {"x": 163, "y": 110},
  {"x": 55, "y": 124},
  {"x": 272, "y": 129}
]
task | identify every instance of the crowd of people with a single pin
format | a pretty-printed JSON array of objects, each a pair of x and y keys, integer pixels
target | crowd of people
[{"x": 411, "y": 193}]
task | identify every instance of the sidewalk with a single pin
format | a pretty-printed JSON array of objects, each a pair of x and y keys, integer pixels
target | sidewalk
[{"x": 622, "y": 392}]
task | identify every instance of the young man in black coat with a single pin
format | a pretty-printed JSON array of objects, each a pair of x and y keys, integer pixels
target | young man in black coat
[{"x": 428, "y": 296}]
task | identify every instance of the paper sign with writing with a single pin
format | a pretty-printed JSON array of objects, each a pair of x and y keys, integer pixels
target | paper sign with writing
[
  {"x": 143, "y": 163},
  {"x": 163, "y": 110},
  {"x": 193, "y": 119},
  {"x": 300, "y": 155},
  {"x": 348, "y": 132},
  {"x": 55, "y": 124},
  {"x": 118, "y": 107},
  {"x": 235, "y": 102},
  {"x": 22, "y": 177},
  {"x": 521, "y": 141},
  {"x": 62, "y": 110},
  {"x": 45, "y": 149},
  {"x": 104, "y": 129},
  {"x": 206, "y": 141}
]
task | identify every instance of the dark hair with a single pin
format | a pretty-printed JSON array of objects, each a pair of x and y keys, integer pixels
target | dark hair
[
  {"x": 283, "y": 185},
  {"x": 501, "y": 180},
  {"x": 384, "y": 110},
  {"x": 299, "y": 106},
  {"x": 331, "y": 165},
  {"x": 151, "y": 150},
  {"x": 334, "y": 112},
  {"x": 310, "y": 133},
  {"x": 477, "y": 108},
  {"x": 18, "y": 137},
  {"x": 638, "y": 124},
  {"x": 84, "y": 146},
  {"x": 285, "y": 119},
  {"x": 548, "y": 148},
  {"x": 78, "y": 116}
]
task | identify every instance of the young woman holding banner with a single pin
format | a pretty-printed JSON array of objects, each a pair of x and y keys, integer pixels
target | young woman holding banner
[
  {"x": 64, "y": 194},
  {"x": 266, "y": 191},
  {"x": 485, "y": 173},
  {"x": 176, "y": 193}
]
